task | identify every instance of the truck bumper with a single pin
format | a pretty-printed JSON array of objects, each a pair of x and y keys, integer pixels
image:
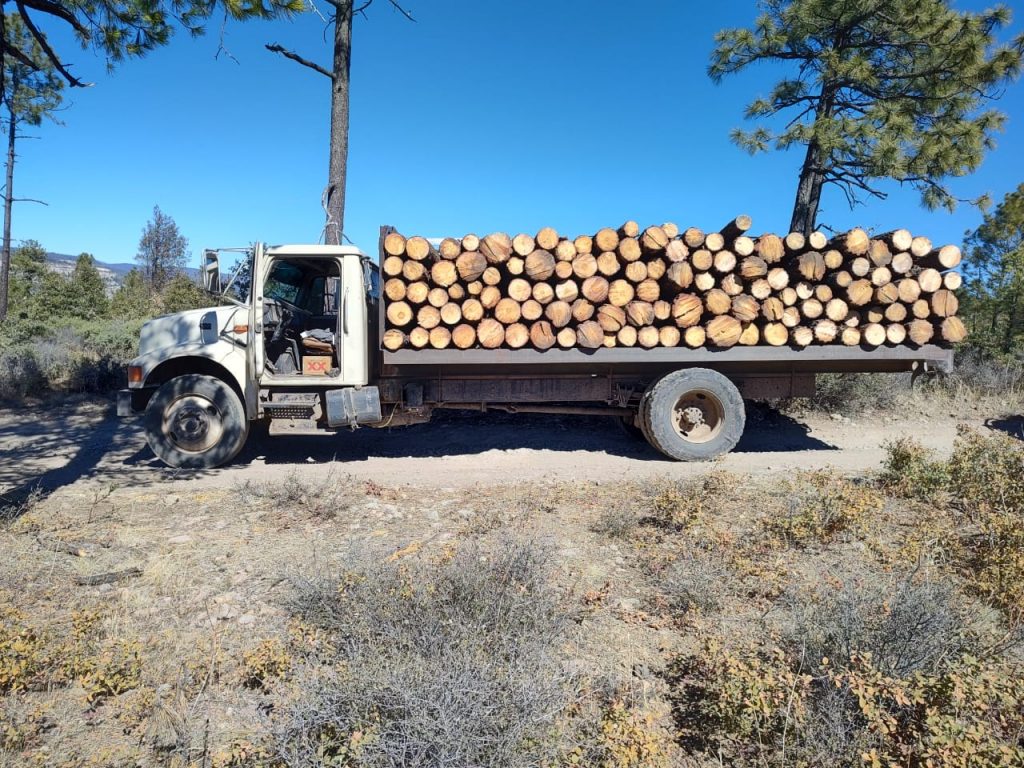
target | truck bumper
[{"x": 132, "y": 402}]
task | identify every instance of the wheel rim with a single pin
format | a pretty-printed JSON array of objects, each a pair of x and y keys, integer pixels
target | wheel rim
[
  {"x": 698, "y": 416},
  {"x": 193, "y": 423}
]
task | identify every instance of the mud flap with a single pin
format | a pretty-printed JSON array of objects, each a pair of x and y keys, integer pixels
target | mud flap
[{"x": 350, "y": 406}]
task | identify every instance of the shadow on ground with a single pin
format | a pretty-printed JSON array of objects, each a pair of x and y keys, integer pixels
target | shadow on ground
[{"x": 1011, "y": 425}]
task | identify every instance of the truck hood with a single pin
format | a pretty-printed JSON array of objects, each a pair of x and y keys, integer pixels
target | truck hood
[{"x": 197, "y": 326}]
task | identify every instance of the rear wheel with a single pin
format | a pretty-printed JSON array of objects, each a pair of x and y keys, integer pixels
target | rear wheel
[
  {"x": 693, "y": 415},
  {"x": 196, "y": 422}
]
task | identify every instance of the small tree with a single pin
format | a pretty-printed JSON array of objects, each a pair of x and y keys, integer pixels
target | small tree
[
  {"x": 182, "y": 293},
  {"x": 87, "y": 297},
  {"x": 132, "y": 300},
  {"x": 30, "y": 90},
  {"x": 994, "y": 299},
  {"x": 162, "y": 250},
  {"x": 879, "y": 89}
]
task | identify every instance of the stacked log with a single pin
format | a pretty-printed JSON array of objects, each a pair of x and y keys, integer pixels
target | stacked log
[{"x": 669, "y": 286}]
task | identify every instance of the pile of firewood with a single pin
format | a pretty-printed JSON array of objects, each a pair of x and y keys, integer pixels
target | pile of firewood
[{"x": 664, "y": 287}]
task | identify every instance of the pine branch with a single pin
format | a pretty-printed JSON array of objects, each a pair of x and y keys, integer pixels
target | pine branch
[
  {"x": 45, "y": 45},
  {"x": 275, "y": 48},
  {"x": 55, "y": 9}
]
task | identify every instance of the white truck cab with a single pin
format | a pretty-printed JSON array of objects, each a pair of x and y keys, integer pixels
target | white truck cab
[{"x": 309, "y": 327}]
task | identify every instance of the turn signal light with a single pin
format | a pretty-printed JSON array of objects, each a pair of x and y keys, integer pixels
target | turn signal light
[
  {"x": 241, "y": 329},
  {"x": 134, "y": 374}
]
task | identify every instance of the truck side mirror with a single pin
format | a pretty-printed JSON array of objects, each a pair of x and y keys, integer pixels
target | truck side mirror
[{"x": 211, "y": 272}]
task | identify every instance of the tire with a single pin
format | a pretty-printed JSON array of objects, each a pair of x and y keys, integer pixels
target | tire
[
  {"x": 693, "y": 415},
  {"x": 196, "y": 422},
  {"x": 630, "y": 425}
]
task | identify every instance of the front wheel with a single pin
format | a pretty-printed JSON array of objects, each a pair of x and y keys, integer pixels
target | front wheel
[
  {"x": 196, "y": 422},
  {"x": 693, "y": 415}
]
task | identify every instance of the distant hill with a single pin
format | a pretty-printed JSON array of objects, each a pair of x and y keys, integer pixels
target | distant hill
[{"x": 111, "y": 272}]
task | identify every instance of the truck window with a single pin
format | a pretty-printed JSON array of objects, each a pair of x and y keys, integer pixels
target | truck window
[
  {"x": 284, "y": 282},
  {"x": 322, "y": 298}
]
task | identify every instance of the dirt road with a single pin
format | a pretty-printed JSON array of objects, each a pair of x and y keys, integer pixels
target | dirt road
[{"x": 81, "y": 443}]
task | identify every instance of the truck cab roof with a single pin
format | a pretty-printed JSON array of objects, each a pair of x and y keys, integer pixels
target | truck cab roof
[{"x": 313, "y": 250}]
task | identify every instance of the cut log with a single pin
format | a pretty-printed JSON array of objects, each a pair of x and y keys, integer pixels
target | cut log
[
  {"x": 470, "y": 242},
  {"x": 566, "y": 250},
  {"x": 695, "y": 337},
  {"x": 515, "y": 265},
  {"x": 626, "y": 337},
  {"x": 855, "y": 242},
  {"x": 464, "y": 336},
  {"x": 902, "y": 263},
  {"x": 474, "y": 288},
  {"x": 444, "y": 273},
  {"x": 559, "y": 313},
  {"x": 920, "y": 332},
  {"x": 778, "y": 278},
  {"x": 640, "y": 313},
  {"x": 874, "y": 314},
  {"x": 920, "y": 247},
  {"x": 860, "y": 292},
  {"x": 725, "y": 261},
  {"x": 671, "y": 230},
  {"x": 539, "y": 265},
  {"x": 607, "y": 239},
  {"x": 909, "y": 290},
  {"x": 946, "y": 257},
  {"x": 795, "y": 242},
  {"x": 842, "y": 279},
  {"x": 524, "y": 244},
  {"x": 881, "y": 276},
  {"x": 791, "y": 317},
  {"x": 702, "y": 260},
  {"x": 393, "y": 339},
  {"x": 589, "y": 335},
  {"x": 542, "y": 335},
  {"x": 687, "y": 310},
  {"x": 770, "y": 248},
  {"x": 451, "y": 313},
  {"x": 394, "y": 289},
  {"x": 394, "y": 244},
  {"x": 517, "y": 336},
  {"x": 662, "y": 310},
  {"x": 743, "y": 246},
  {"x": 714, "y": 242},
  {"x": 736, "y": 227},
  {"x": 896, "y": 312},
  {"x": 507, "y": 311},
  {"x": 490, "y": 296},
  {"x": 656, "y": 269},
  {"x": 873, "y": 335},
  {"x": 567, "y": 290},
  {"x": 566, "y": 338},
  {"x": 776, "y": 334},
  {"x": 450, "y": 249},
  {"x": 823, "y": 293},
  {"x": 582, "y": 310},
  {"x": 802, "y": 336},
  {"x": 676, "y": 251},
  {"x": 812, "y": 309},
  {"x": 772, "y": 308},
  {"x": 470, "y": 265},
  {"x": 887, "y": 294},
  {"x": 440, "y": 337},
  {"x": 895, "y": 333},
  {"x": 532, "y": 310},
  {"x": 456, "y": 292},
  {"x": 693, "y": 237},
  {"x": 944, "y": 303},
  {"x": 733, "y": 285},
  {"x": 629, "y": 229},
  {"x": 584, "y": 265},
  {"x": 491, "y": 333},
  {"x": 879, "y": 253},
  {"x": 817, "y": 240},
  {"x": 745, "y": 308},
  {"x": 654, "y": 239},
  {"x": 753, "y": 267},
  {"x": 953, "y": 330},
  {"x": 804, "y": 290},
  {"x": 543, "y": 293},
  {"x": 724, "y": 331},
  {"x": 717, "y": 301},
  {"x": 563, "y": 270},
  {"x": 648, "y": 290},
  {"x": 392, "y": 266},
  {"x": 629, "y": 249},
  {"x": 583, "y": 244},
  {"x": 595, "y": 289},
  {"x": 789, "y": 296},
  {"x": 669, "y": 336},
  {"x": 930, "y": 280},
  {"x": 620, "y": 293},
  {"x": 898, "y": 239},
  {"x": 437, "y": 297},
  {"x": 608, "y": 263},
  {"x": 472, "y": 310},
  {"x": 419, "y": 337},
  {"x": 861, "y": 266},
  {"x": 416, "y": 293},
  {"x": 636, "y": 271},
  {"x": 825, "y": 331},
  {"x": 547, "y": 239},
  {"x": 496, "y": 248},
  {"x": 811, "y": 265},
  {"x": 850, "y": 336},
  {"x": 611, "y": 318},
  {"x": 836, "y": 310},
  {"x": 750, "y": 336},
  {"x": 760, "y": 289},
  {"x": 648, "y": 337},
  {"x": 418, "y": 248},
  {"x": 413, "y": 271},
  {"x": 833, "y": 258},
  {"x": 703, "y": 281},
  {"x": 491, "y": 276},
  {"x": 952, "y": 281}
]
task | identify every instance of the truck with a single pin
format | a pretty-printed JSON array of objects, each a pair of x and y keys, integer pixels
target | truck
[{"x": 301, "y": 353}]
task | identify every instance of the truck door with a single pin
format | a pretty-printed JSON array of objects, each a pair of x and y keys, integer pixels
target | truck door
[{"x": 256, "y": 352}]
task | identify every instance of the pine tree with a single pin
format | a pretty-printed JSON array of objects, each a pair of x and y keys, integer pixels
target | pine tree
[
  {"x": 162, "y": 250},
  {"x": 878, "y": 89},
  {"x": 88, "y": 293},
  {"x": 133, "y": 300},
  {"x": 994, "y": 267},
  {"x": 181, "y": 294}
]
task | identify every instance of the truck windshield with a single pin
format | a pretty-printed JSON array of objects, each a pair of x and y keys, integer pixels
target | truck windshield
[{"x": 284, "y": 282}]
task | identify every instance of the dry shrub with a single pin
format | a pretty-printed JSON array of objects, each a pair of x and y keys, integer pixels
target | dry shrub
[
  {"x": 869, "y": 674},
  {"x": 822, "y": 507},
  {"x": 696, "y": 579},
  {"x": 912, "y": 471},
  {"x": 623, "y": 731},
  {"x": 454, "y": 662},
  {"x": 676, "y": 505},
  {"x": 324, "y": 497}
]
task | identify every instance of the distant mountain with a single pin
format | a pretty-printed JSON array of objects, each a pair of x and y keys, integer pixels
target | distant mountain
[{"x": 111, "y": 272}]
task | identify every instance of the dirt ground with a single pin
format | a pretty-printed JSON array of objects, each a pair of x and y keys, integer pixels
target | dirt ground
[{"x": 81, "y": 444}]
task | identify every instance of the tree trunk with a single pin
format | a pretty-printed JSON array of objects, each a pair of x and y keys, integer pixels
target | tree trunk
[
  {"x": 338, "y": 163},
  {"x": 5, "y": 255},
  {"x": 808, "y": 193}
]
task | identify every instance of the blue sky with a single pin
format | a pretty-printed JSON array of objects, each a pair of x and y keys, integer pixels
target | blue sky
[{"x": 479, "y": 116}]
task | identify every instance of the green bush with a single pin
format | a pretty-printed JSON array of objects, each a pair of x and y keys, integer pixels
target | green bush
[{"x": 911, "y": 471}]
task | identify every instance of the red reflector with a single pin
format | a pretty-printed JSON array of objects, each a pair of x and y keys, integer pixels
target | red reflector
[{"x": 134, "y": 374}]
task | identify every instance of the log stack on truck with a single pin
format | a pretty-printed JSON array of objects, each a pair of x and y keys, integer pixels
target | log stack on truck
[
  {"x": 666, "y": 330},
  {"x": 665, "y": 287}
]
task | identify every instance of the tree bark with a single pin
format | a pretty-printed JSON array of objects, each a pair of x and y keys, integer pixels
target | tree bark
[
  {"x": 808, "y": 192},
  {"x": 5, "y": 255},
  {"x": 338, "y": 162}
]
